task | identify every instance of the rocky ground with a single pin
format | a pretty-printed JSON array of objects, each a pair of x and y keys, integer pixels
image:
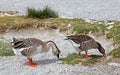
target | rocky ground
[{"x": 49, "y": 64}]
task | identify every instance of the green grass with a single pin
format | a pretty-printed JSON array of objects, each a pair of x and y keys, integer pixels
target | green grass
[
  {"x": 47, "y": 12},
  {"x": 110, "y": 34},
  {"x": 115, "y": 53},
  {"x": 78, "y": 25},
  {"x": 20, "y": 22},
  {"x": 115, "y": 34},
  {"x": 74, "y": 59},
  {"x": 5, "y": 49}
]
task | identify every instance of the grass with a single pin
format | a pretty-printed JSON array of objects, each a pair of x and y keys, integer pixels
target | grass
[
  {"x": 74, "y": 59},
  {"x": 115, "y": 34},
  {"x": 5, "y": 49},
  {"x": 47, "y": 12},
  {"x": 21, "y": 22},
  {"x": 78, "y": 25},
  {"x": 86, "y": 28},
  {"x": 115, "y": 53}
]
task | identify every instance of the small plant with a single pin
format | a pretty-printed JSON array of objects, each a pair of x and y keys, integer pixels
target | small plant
[
  {"x": 87, "y": 28},
  {"x": 109, "y": 35},
  {"x": 74, "y": 59},
  {"x": 5, "y": 49},
  {"x": 115, "y": 52},
  {"x": 47, "y": 12},
  {"x": 115, "y": 34},
  {"x": 116, "y": 37}
]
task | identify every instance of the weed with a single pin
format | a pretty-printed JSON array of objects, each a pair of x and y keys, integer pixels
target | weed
[
  {"x": 74, "y": 59},
  {"x": 5, "y": 49},
  {"x": 115, "y": 52},
  {"x": 47, "y": 12}
]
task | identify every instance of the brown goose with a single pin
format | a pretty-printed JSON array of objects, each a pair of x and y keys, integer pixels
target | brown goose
[
  {"x": 84, "y": 43},
  {"x": 31, "y": 46}
]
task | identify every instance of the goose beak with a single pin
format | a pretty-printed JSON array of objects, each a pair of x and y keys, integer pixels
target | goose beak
[
  {"x": 66, "y": 39},
  {"x": 58, "y": 56}
]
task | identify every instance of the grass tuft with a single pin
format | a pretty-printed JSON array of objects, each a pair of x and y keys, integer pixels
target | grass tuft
[
  {"x": 5, "y": 49},
  {"x": 74, "y": 59},
  {"x": 115, "y": 34},
  {"x": 115, "y": 53},
  {"x": 47, "y": 12},
  {"x": 81, "y": 26}
]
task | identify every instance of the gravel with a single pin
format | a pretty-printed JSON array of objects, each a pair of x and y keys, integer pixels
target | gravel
[
  {"x": 87, "y": 9},
  {"x": 17, "y": 66},
  {"x": 49, "y": 64}
]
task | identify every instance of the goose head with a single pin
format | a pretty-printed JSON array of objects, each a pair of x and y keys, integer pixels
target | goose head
[
  {"x": 14, "y": 41},
  {"x": 57, "y": 53},
  {"x": 55, "y": 49}
]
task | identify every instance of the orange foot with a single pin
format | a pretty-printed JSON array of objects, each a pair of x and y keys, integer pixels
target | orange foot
[
  {"x": 78, "y": 54},
  {"x": 33, "y": 65}
]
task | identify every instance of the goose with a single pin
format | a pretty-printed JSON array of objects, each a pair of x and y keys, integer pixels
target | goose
[
  {"x": 32, "y": 46},
  {"x": 84, "y": 43}
]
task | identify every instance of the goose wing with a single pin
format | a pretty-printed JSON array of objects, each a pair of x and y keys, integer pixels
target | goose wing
[
  {"x": 79, "y": 38},
  {"x": 33, "y": 42}
]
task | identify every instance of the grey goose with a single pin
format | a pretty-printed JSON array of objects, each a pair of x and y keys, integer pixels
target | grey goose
[
  {"x": 32, "y": 46},
  {"x": 84, "y": 43}
]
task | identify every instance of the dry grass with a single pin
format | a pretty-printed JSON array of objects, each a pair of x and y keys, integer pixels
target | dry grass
[{"x": 20, "y": 22}]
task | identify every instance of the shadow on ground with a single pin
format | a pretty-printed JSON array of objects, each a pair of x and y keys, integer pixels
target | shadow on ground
[{"x": 43, "y": 62}]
